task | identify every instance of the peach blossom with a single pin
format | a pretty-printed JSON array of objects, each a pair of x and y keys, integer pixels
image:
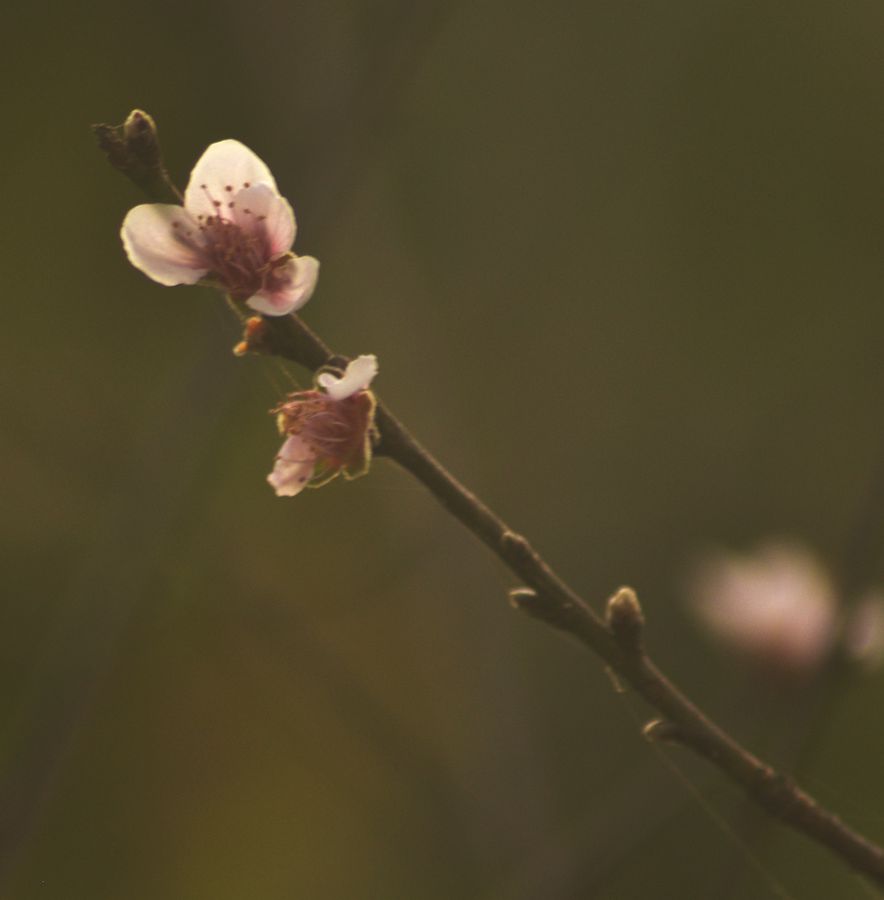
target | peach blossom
[{"x": 233, "y": 229}]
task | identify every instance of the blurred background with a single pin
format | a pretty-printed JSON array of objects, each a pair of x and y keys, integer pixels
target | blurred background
[{"x": 622, "y": 266}]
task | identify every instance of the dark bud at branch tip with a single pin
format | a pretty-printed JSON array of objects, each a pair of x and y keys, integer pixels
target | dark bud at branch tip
[
  {"x": 137, "y": 124},
  {"x": 625, "y": 618},
  {"x": 140, "y": 136}
]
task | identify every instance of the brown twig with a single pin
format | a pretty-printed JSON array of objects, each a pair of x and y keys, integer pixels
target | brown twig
[{"x": 617, "y": 641}]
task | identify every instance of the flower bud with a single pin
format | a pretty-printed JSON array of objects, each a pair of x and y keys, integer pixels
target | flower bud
[
  {"x": 864, "y": 631},
  {"x": 625, "y": 618},
  {"x": 140, "y": 138}
]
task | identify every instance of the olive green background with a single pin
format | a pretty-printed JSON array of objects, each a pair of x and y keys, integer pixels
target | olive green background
[{"x": 622, "y": 264}]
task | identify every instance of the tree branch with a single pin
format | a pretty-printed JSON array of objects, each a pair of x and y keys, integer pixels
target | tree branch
[
  {"x": 552, "y": 601},
  {"x": 617, "y": 641}
]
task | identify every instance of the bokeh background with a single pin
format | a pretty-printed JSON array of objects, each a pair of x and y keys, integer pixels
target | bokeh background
[{"x": 623, "y": 266}]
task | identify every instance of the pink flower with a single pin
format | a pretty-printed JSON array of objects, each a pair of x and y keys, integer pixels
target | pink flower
[
  {"x": 234, "y": 229},
  {"x": 777, "y": 605},
  {"x": 328, "y": 432}
]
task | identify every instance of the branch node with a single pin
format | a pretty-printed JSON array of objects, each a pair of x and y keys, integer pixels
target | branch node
[
  {"x": 779, "y": 792},
  {"x": 662, "y": 731}
]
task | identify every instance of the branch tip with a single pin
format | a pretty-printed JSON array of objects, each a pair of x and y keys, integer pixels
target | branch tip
[
  {"x": 133, "y": 148},
  {"x": 516, "y": 544}
]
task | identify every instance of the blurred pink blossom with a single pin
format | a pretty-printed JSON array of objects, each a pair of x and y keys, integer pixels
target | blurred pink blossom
[
  {"x": 777, "y": 605},
  {"x": 234, "y": 228}
]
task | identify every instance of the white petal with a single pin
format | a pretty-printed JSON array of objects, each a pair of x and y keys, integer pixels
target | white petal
[
  {"x": 259, "y": 208},
  {"x": 226, "y": 164},
  {"x": 293, "y": 468},
  {"x": 155, "y": 238},
  {"x": 357, "y": 377},
  {"x": 298, "y": 282}
]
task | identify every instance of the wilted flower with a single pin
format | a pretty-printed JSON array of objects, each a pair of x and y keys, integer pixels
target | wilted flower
[
  {"x": 777, "y": 605},
  {"x": 328, "y": 431},
  {"x": 233, "y": 228}
]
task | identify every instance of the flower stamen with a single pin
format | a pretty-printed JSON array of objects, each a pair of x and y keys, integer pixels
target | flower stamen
[{"x": 331, "y": 430}]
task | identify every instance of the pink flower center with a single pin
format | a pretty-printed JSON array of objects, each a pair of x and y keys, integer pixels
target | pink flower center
[
  {"x": 235, "y": 247},
  {"x": 335, "y": 430}
]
